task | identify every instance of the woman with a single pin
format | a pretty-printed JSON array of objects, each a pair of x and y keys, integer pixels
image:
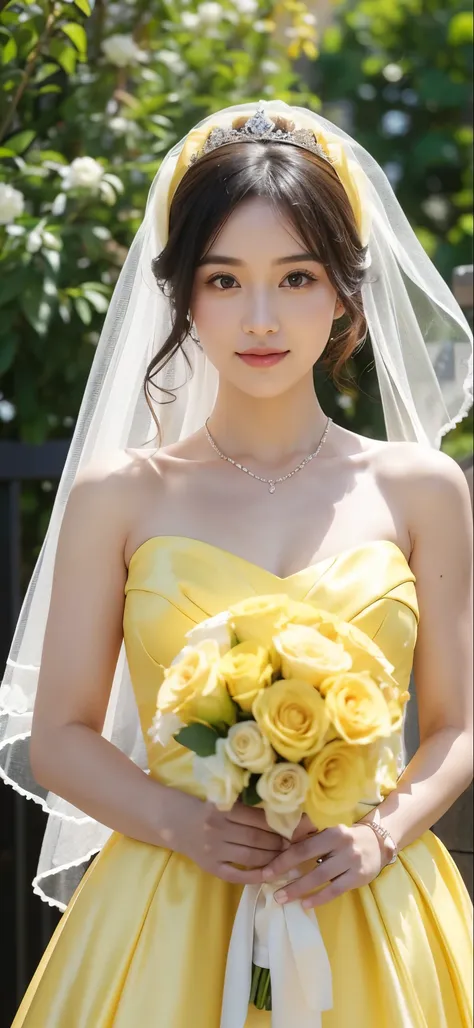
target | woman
[{"x": 276, "y": 240}]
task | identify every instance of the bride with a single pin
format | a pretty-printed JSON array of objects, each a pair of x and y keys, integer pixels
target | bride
[{"x": 270, "y": 239}]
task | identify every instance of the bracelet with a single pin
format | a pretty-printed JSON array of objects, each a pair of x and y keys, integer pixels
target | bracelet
[{"x": 384, "y": 834}]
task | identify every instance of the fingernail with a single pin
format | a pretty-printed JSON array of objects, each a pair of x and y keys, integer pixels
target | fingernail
[
  {"x": 281, "y": 896},
  {"x": 267, "y": 874}
]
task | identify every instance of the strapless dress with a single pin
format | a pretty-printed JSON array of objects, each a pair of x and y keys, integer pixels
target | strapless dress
[{"x": 144, "y": 940}]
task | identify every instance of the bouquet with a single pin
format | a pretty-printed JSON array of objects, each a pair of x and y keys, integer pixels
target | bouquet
[{"x": 287, "y": 707}]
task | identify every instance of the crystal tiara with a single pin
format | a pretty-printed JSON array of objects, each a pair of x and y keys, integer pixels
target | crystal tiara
[{"x": 261, "y": 127}]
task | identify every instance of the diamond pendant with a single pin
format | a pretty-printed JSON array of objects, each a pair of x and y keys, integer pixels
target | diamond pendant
[{"x": 271, "y": 487}]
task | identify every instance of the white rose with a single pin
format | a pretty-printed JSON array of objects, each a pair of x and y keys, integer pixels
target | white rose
[
  {"x": 246, "y": 6},
  {"x": 283, "y": 790},
  {"x": 172, "y": 60},
  {"x": 216, "y": 628},
  {"x": 164, "y": 727},
  {"x": 210, "y": 13},
  {"x": 222, "y": 780},
  {"x": 189, "y": 20},
  {"x": 122, "y": 51},
  {"x": 12, "y": 203},
  {"x": 85, "y": 172},
  {"x": 248, "y": 748}
]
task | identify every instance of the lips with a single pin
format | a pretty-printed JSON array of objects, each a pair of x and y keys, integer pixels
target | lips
[{"x": 258, "y": 357}]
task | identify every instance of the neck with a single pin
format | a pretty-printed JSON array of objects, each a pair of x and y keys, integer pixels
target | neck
[{"x": 269, "y": 432}]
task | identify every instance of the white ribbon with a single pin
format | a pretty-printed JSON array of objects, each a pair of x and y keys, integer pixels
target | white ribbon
[{"x": 287, "y": 939}]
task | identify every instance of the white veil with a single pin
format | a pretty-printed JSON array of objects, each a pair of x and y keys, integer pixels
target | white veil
[{"x": 422, "y": 349}]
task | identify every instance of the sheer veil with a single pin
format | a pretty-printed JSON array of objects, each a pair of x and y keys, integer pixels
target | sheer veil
[{"x": 422, "y": 349}]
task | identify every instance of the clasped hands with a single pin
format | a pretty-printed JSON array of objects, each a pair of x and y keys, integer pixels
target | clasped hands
[{"x": 348, "y": 857}]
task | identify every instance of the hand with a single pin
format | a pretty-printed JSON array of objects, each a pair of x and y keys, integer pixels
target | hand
[
  {"x": 350, "y": 857},
  {"x": 217, "y": 840}
]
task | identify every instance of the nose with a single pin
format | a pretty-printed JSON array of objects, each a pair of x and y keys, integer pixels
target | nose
[{"x": 260, "y": 318}]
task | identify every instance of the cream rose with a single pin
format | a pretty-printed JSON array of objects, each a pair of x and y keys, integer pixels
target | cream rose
[
  {"x": 283, "y": 790},
  {"x": 246, "y": 669},
  {"x": 248, "y": 748},
  {"x": 221, "y": 779},
  {"x": 306, "y": 654},
  {"x": 216, "y": 628},
  {"x": 337, "y": 781},
  {"x": 357, "y": 708},
  {"x": 194, "y": 689},
  {"x": 259, "y": 618},
  {"x": 292, "y": 715}
]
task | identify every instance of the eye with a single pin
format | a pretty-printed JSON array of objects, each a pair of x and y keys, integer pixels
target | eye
[
  {"x": 216, "y": 278},
  {"x": 300, "y": 274}
]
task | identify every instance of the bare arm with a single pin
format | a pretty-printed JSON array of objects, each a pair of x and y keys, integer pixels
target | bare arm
[
  {"x": 441, "y": 769},
  {"x": 82, "y": 642},
  {"x": 438, "y": 500}
]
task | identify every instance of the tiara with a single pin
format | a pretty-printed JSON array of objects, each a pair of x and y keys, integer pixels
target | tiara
[{"x": 260, "y": 127}]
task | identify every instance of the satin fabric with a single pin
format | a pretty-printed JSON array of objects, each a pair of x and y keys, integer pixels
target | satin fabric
[{"x": 144, "y": 939}]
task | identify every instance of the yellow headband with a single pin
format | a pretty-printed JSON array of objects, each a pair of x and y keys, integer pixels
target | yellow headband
[{"x": 349, "y": 172}]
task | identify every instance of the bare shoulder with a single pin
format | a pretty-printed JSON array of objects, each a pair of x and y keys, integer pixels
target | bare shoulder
[
  {"x": 106, "y": 492},
  {"x": 431, "y": 486}
]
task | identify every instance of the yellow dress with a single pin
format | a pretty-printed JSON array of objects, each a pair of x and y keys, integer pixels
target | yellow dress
[{"x": 143, "y": 942}]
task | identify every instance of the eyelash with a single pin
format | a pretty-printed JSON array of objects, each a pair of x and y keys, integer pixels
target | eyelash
[{"x": 301, "y": 271}]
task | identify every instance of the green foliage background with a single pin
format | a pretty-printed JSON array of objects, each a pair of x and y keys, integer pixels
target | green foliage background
[{"x": 396, "y": 72}]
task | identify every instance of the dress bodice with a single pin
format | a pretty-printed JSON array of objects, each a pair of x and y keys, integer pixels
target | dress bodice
[{"x": 175, "y": 582}]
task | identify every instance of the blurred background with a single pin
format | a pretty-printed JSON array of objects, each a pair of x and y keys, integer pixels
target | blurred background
[{"x": 92, "y": 95}]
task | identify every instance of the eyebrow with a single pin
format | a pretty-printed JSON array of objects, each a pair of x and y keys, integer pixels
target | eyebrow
[{"x": 234, "y": 262}]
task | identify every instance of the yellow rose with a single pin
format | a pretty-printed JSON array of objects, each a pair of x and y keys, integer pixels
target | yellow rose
[
  {"x": 283, "y": 789},
  {"x": 396, "y": 700},
  {"x": 337, "y": 781},
  {"x": 365, "y": 654},
  {"x": 259, "y": 618},
  {"x": 292, "y": 715},
  {"x": 306, "y": 654},
  {"x": 246, "y": 670},
  {"x": 248, "y": 748},
  {"x": 194, "y": 689},
  {"x": 357, "y": 707}
]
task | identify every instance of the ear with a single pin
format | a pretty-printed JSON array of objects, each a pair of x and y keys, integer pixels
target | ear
[{"x": 339, "y": 310}]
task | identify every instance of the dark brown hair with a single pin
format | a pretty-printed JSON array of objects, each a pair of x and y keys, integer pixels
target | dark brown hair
[{"x": 299, "y": 184}]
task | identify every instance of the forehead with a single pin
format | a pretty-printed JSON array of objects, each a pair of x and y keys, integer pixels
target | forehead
[{"x": 255, "y": 226}]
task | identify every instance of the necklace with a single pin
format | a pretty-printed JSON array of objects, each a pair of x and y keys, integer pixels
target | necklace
[{"x": 271, "y": 482}]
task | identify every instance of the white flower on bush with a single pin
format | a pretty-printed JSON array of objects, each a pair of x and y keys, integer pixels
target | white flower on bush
[
  {"x": 283, "y": 790},
  {"x": 210, "y": 13},
  {"x": 12, "y": 203},
  {"x": 269, "y": 67},
  {"x": 221, "y": 779},
  {"x": 87, "y": 173},
  {"x": 84, "y": 172},
  {"x": 263, "y": 26},
  {"x": 122, "y": 51},
  {"x": 189, "y": 20},
  {"x": 172, "y": 61},
  {"x": 248, "y": 748},
  {"x": 246, "y": 6}
]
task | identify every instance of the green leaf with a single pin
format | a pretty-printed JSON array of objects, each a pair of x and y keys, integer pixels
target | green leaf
[
  {"x": 201, "y": 739},
  {"x": 21, "y": 141},
  {"x": 10, "y": 51},
  {"x": 98, "y": 301},
  {"x": 36, "y": 308},
  {"x": 83, "y": 310},
  {"x": 250, "y": 795},
  {"x": 8, "y": 348},
  {"x": 461, "y": 29},
  {"x": 83, "y": 6},
  {"x": 65, "y": 55},
  {"x": 11, "y": 286},
  {"x": 49, "y": 89},
  {"x": 77, "y": 34},
  {"x": 44, "y": 72}
]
